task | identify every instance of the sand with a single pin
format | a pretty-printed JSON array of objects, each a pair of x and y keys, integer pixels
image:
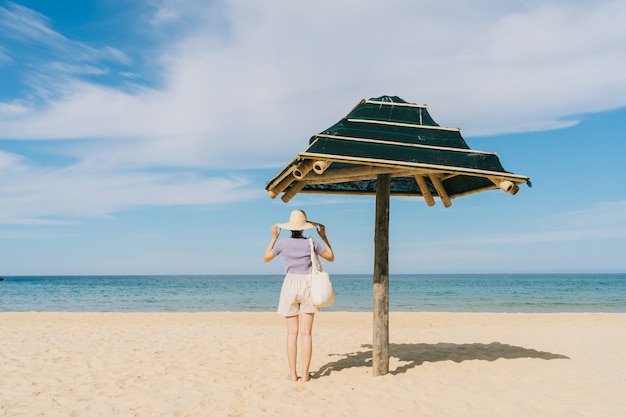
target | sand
[{"x": 234, "y": 364}]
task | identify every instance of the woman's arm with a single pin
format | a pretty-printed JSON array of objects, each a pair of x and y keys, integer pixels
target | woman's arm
[
  {"x": 328, "y": 252},
  {"x": 269, "y": 255}
]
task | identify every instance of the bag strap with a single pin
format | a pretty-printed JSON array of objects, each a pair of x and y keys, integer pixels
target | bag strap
[{"x": 315, "y": 260}]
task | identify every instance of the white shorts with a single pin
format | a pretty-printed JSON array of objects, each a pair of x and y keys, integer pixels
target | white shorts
[{"x": 295, "y": 296}]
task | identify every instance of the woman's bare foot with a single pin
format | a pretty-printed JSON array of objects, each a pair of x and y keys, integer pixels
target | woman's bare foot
[{"x": 292, "y": 378}]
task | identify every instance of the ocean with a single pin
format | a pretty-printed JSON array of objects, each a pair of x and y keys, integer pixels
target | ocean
[{"x": 540, "y": 293}]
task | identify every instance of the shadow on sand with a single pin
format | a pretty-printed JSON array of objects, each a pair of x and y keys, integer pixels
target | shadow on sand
[{"x": 415, "y": 354}]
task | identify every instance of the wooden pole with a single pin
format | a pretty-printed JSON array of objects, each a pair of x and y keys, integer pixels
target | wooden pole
[{"x": 380, "y": 343}]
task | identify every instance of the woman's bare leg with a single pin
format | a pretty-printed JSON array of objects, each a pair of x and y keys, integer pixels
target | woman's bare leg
[
  {"x": 306, "y": 328},
  {"x": 292, "y": 346}
]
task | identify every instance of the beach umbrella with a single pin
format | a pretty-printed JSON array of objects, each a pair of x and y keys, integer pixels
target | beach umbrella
[{"x": 386, "y": 147}]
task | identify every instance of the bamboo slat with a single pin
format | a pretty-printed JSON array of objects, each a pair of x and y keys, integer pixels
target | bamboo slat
[
  {"x": 381, "y": 122},
  {"x": 428, "y": 196},
  {"x": 353, "y": 174},
  {"x": 291, "y": 193},
  {"x": 280, "y": 187},
  {"x": 416, "y": 165},
  {"x": 441, "y": 191},
  {"x": 302, "y": 169},
  {"x": 319, "y": 167},
  {"x": 391, "y": 103},
  {"x": 406, "y": 145}
]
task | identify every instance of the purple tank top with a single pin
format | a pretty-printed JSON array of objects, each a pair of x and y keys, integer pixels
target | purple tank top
[{"x": 297, "y": 254}]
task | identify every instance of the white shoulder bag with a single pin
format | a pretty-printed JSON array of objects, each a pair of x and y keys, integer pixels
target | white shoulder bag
[{"x": 322, "y": 291}]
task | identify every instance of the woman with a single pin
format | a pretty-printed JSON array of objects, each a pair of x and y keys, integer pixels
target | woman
[{"x": 295, "y": 295}]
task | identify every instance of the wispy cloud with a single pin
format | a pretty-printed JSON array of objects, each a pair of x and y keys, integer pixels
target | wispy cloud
[
  {"x": 576, "y": 241},
  {"x": 597, "y": 222},
  {"x": 28, "y": 28},
  {"x": 550, "y": 236},
  {"x": 36, "y": 195},
  {"x": 27, "y": 25},
  {"x": 243, "y": 84},
  {"x": 480, "y": 68}
]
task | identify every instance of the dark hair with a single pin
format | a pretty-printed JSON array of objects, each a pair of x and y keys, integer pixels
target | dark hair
[{"x": 296, "y": 233}]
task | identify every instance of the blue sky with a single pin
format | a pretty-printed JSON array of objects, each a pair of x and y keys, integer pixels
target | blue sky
[{"x": 137, "y": 137}]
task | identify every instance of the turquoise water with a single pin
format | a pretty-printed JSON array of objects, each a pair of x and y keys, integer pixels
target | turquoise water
[{"x": 469, "y": 293}]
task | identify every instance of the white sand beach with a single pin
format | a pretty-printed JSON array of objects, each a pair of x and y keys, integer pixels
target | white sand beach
[{"x": 234, "y": 364}]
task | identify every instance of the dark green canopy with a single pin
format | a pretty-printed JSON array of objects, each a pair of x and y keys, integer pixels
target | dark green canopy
[{"x": 387, "y": 135}]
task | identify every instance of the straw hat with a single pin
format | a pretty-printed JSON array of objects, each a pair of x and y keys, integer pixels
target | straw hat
[{"x": 297, "y": 221}]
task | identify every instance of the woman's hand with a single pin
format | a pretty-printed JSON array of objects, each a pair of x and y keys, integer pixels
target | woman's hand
[
  {"x": 269, "y": 255},
  {"x": 328, "y": 252}
]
